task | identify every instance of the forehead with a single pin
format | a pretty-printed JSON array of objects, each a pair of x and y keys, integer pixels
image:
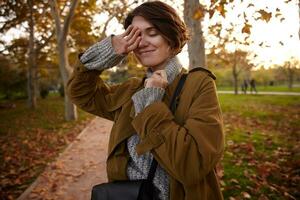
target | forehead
[{"x": 141, "y": 23}]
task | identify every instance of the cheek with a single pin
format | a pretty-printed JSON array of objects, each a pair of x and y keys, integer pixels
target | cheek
[
  {"x": 166, "y": 50},
  {"x": 163, "y": 46}
]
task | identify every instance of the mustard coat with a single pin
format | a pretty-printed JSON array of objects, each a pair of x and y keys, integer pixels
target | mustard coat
[{"x": 187, "y": 145}]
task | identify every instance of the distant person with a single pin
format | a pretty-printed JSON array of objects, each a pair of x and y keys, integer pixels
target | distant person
[
  {"x": 188, "y": 145},
  {"x": 245, "y": 86},
  {"x": 253, "y": 86}
]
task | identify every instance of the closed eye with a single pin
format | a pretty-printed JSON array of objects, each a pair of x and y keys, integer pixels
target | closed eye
[
  {"x": 153, "y": 34},
  {"x": 152, "y": 31}
]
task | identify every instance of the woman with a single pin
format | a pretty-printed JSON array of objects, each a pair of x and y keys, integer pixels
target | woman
[{"x": 188, "y": 144}]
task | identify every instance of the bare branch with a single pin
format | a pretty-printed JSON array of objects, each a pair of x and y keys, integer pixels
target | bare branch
[
  {"x": 105, "y": 26},
  {"x": 40, "y": 46},
  {"x": 56, "y": 16},
  {"x": 8, "y": 25},
  {"x": 63, "y": 9},
  {"x": 68, "y": 18}
]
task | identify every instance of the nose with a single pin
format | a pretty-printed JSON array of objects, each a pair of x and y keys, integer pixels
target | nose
[{"x": 143, "y": 42}]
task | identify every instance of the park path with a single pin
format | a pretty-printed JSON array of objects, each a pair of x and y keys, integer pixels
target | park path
[
  {"x": 263, "y": 93},
  {"x": 77, "y": 169}
]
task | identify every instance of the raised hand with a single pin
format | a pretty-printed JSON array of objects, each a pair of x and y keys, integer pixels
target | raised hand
[
  {"x": 158, "y": 79},
  {"x": 127, "y": 41}
]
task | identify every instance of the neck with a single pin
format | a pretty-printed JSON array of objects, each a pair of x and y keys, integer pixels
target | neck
[{"x": 160, "y": 66}]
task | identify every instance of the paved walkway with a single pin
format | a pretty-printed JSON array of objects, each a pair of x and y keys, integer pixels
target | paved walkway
[
  {"x": 77, "y": 169},
  {"x": 264, "y": 93}
]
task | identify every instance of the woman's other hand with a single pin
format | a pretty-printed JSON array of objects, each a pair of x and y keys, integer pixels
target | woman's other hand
[
  {"x": 158, "y": 79},
  {"x": 127, "y": 41}
]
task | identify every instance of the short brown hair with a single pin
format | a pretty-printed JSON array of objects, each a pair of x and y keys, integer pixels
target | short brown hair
[{"x": 165, "y": 19}]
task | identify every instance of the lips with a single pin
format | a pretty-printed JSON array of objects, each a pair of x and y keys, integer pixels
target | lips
[{"x": 145, "y": 52}]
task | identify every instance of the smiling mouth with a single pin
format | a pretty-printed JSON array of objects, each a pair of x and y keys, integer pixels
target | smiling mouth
[{"x": 145, "y": 52}]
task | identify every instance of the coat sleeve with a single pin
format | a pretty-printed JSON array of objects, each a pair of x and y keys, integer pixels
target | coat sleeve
[
  {"x": 188, "y": 152},
  {"x": 89, "y": 92}
]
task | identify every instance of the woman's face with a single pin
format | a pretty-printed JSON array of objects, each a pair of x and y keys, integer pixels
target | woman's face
[{"x": 153, "y": 50}]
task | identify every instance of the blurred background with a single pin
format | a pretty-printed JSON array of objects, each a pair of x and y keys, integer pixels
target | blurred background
[{"x": 252, "y": 47}]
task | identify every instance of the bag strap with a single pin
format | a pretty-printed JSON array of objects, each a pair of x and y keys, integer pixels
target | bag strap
[{"x": 173, "y": 109}]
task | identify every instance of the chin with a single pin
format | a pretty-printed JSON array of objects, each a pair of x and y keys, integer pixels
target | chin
[{"x": 150, "y": 62}]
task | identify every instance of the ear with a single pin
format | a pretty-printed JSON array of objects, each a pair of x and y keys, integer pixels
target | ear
[{"x": 172, "y": 51}]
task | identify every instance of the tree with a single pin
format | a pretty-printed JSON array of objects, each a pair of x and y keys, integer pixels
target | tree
[
  {"x": 290, "y": 67},
  {"x": 69, "y": 42},
  {"x": 299, "y": 18},
  {"x": 12, "y": 78},
  {"x": 32, "y": 66},
  {"x": 62, "y": 30},
  {"x": 31, "y": 17},
  {"x": 214, "y": 13},
  {"x": 237, "y": 60},
  {"x": 196, "y": 46}
]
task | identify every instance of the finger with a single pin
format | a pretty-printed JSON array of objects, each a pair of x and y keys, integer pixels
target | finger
[
  {"x": 127, "y": 31},
  {"x": 157, "y": 78},
  {"x": 132, "y": 33},
  {"x": 135, "y": 44},
  {"x": 146, "y": 81},
  {"x": 134, "y": 37},
  {"x": 161, "y": 73}
]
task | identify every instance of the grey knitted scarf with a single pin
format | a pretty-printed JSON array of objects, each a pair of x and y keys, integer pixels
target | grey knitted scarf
[{"x": 139, "y": 166}]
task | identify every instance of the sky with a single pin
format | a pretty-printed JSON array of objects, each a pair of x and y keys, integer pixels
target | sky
[{"x": 271, "y": 33}]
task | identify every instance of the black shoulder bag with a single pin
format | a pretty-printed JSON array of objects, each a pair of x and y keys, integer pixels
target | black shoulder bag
[{"x": 135, "y": 189}]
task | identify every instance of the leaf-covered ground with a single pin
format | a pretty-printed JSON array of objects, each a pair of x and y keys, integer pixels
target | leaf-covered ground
[
  {"x": 30, "y": 139},
  {"x": 262, "y": 157},
  {"x": 261, "y": 160}
]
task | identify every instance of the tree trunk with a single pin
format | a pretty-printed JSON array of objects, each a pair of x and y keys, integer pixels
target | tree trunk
[
  {"x": 65, "y": 71},
  {"x": 61, "y": 37},
  {"x": 299, "y": 18},
  {"x": 235, "y": 75},
  {"x": 32, "y": 64},
  {"x": 235, "y": 79},
  {"x": 196, "y": 47},
  {"x": 290, "y": 76}
]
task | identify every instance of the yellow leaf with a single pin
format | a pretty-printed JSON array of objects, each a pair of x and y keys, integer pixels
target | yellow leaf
[
  {"x": 211, "y": 13},
  {"x": 221, "y": 9},
  {"x": 198, "y": 14},
  {"x": 265, "y": 15},
  {"x": 246, "y": 29}
]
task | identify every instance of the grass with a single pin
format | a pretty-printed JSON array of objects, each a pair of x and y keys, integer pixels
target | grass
[
  {"x": 262, "y": 134},
  {"x": 260, "y": 159},
  {"x": 30, "y": 139}
]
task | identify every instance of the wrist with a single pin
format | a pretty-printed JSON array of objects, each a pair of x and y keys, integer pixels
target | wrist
[{"x": 115, "y": 46}]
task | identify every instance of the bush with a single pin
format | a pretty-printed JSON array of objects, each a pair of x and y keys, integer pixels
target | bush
[
  {"x": 44, "y": 93},
  {"x": 61, "y": 90}
]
